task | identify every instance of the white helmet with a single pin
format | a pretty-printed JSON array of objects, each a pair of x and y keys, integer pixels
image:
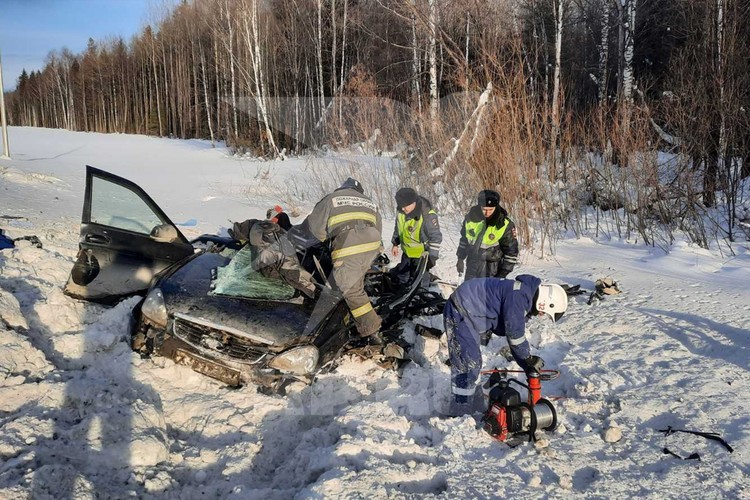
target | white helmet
[{"x": 552, "y": 300}]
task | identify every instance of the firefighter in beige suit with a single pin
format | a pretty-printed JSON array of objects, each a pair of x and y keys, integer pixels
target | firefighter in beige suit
[{"x": 352, "y": 223}]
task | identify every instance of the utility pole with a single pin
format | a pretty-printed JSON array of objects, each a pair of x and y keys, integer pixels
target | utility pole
[{"x": 3, "y": 122}]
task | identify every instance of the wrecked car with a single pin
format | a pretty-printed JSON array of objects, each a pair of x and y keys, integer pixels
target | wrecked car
[{"x": 205, "y": 306}]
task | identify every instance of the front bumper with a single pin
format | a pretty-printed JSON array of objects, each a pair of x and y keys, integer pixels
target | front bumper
[{"x": 223, "y": 355}]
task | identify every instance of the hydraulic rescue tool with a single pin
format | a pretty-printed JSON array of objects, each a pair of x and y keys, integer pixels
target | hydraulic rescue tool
[{"x": 508, "y": 418}]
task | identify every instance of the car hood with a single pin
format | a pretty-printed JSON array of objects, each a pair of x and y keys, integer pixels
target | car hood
[{"x": 273, "y": 323}]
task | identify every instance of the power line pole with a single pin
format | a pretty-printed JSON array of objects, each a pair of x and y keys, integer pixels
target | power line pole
[{"x": 3, "y": 122}]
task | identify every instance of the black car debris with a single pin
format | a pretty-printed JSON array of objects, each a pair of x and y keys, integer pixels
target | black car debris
[{"x": 205, "y": 307}]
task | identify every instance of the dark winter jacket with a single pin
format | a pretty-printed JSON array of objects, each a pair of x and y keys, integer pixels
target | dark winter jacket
[
  {"x": 349, "y": 220},
  {"x": 500, "y": 306},
  {"x": 490, "y": 246},
  {"x": 429, "y": 232}
]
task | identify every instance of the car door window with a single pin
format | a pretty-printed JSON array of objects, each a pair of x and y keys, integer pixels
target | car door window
[{"x": 117, "y": 206}]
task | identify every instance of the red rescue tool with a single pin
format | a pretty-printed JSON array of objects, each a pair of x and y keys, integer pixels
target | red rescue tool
[{"x": 508, "y": 418}]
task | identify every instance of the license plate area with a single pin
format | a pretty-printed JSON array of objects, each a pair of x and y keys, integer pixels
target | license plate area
[{"x": 207, "y": 367}]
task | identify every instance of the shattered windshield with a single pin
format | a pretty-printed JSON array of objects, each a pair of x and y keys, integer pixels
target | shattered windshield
[{"x": 239, "y": 279}]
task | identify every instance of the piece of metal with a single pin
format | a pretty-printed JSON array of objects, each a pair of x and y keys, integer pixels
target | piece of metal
[
  {"x": 546, "y": 417},
  {"x": 320, "y": 270}
]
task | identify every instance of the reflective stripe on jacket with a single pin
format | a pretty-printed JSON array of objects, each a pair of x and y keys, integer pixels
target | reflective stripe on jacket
[
  {"x": 337, "y": 214},
  {"x": 490, "y": 235},
  {"x": 500, "y": 306},
  {"x": 408, "y": 234},
  {"x": 418, "y": 231}
]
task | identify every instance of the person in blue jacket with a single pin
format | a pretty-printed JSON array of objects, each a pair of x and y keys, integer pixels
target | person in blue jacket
[{"x": 499, "y": 306}]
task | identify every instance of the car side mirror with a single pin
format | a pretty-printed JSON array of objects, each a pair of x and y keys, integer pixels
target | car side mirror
[{"x": 164, "y": 233}]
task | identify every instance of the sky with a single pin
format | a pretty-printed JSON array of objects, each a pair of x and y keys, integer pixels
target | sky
[{"x": 30, "y": 29}]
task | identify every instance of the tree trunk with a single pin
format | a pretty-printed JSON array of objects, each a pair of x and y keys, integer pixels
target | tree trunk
[
  {"x": 319, "y": 50},
  {"x": 466, "y": 50},
  {"x": 720, "y": 83},
  {"x": 416, "y": 91},
  {"x": 710, "y": 174},
  {"x": 343, "y": 61},
  {"x": 206, "y": 97},
  {"x": 156, "y": 89},
  {"x": 604, "y": 53},
  {"x": 334, "y": 49},
  {"x": 232, "y": 76},
  {"x": 432, "y": 54},
  {"x": 626, "y": 11},
  {"x": 260, "y": 86},
  {"x": 559, "y": 11}
]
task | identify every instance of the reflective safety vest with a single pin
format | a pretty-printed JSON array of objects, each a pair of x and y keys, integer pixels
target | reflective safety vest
[
  {"x": 408, "y": 235},
  {"x": 492, "y": 234}
]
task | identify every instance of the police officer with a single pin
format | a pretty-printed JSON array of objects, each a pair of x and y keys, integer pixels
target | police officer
[
  {"x": 416, "y": 230},
  {"x": 488, "y": 239},
  {"x": 500, "y": 306},
  {"x": 352, "y": 223}
]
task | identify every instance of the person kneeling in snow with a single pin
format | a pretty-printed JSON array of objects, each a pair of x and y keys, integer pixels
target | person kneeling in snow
[{"x": 499, "y": 306}]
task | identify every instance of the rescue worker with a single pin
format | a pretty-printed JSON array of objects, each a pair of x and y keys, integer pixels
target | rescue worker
[
  {"x": 499, "y": 306},
  {"x": 352, "y": 223},
  {"x": 488, "y": 240},
  {"x": 274, "y": 256},
  {"x": 416, "y": 230}
]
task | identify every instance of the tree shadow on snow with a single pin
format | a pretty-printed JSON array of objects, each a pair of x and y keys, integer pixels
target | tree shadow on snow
[{"x": 692, "y": 330}]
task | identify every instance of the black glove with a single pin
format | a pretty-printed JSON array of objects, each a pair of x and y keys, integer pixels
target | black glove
[
  {"x": 533, "y": 364},
  {"x": 460, "y": 267},
  {"x": 431, "y": 261}
]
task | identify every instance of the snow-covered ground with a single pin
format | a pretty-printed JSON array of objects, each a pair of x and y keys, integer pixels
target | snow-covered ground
[{"x": 83, "y": 416}]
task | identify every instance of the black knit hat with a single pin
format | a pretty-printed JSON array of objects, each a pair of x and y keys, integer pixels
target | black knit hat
[
  {"x": 488, "y": 198},
  {"x": 405, "y": 197},
  {"x": 352, "y": 184}
]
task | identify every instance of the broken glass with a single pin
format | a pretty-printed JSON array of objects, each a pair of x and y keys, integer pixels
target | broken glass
[{"x": 239, "y": 279}]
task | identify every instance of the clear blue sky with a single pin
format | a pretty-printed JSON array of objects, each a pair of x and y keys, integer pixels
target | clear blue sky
[{"x": 30, "y": 29}]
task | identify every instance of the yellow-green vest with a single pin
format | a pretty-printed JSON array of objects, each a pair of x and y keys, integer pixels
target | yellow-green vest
[
  {"x": 408, "y": 235},
  {"x": 491, "y": 236}
]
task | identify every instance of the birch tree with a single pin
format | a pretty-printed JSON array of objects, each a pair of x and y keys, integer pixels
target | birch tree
[
  {"x": 626, "y": 15},
  {"x": 432, "y": 55},
  {"x": 416, "y": 72},
  {"x": 252, "y": 37},
  {"x": 229, "y": 26},
  {"x": 559, "y": 8},
  {"x": 319, "y": 51},
  {"x": 603, "y": 49}
]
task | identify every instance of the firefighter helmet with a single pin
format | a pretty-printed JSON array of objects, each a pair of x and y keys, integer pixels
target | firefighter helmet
[{"x": 552, "y": 300}]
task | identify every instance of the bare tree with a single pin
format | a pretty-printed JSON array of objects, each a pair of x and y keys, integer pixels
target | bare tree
[
  {"x": 559, "y": 9},
  {"x": 433, "y": 62}
]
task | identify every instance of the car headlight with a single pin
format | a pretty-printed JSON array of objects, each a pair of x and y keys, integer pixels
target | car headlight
[
  {"x": 298, "y": 360},
  {"x": 153, "y": 308}
]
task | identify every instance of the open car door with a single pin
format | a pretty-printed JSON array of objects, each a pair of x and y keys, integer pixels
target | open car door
[{"x": 125, "y": 240}]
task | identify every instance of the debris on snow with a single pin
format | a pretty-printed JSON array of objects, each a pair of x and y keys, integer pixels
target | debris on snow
[{"x": 612, "y": 434}]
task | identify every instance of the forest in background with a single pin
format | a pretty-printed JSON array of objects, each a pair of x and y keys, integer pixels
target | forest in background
[{"x": 634, "y": 112}]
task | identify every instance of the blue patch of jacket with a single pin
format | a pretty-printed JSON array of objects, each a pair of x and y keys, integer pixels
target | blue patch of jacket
[{"x": 499, "y": 305}]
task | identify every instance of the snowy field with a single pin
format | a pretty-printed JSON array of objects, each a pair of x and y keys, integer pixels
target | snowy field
[{"x": 82, "y": 416}]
